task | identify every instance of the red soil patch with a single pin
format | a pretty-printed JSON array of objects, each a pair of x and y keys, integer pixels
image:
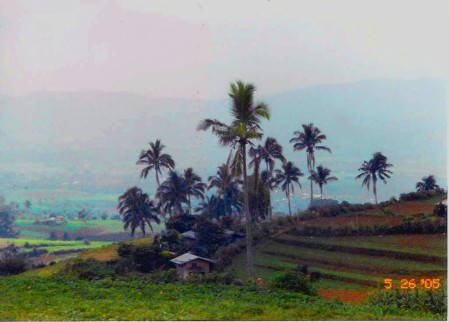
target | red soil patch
[
  {"x": 411, "y": 208},
  {"x": 346, "y": 220},
  {"x": 346, "y": 296}
]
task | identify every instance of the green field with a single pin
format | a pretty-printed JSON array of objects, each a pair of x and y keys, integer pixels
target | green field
[
  {"x": 46, "y": 298},
  {"x": 272, "y": 257},
  {"x": 435, "y": 245}
]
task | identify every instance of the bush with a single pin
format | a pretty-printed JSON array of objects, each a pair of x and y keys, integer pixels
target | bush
[
  {"x": 294, "y": 281},
  {"x": 170, "y": 237},
  {"x": 144, "y": 258},
  {"x": 37, "y": 252},
  {"x": 225, "y": 278},
  {"x": 89, "y": 269},
  {"x": 52, "y": 236},
  {"x": 165, "y": 277},
  {"x": 440, "y": 210},
  {"x": 428, "y": 301},
  {"x": 421, "y": 195},
  {"x": 12, "y": 265},
  {"x": 181, "y": 223}
]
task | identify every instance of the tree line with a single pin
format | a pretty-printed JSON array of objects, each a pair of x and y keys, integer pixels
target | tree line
[{"x": 237, "y": 192}]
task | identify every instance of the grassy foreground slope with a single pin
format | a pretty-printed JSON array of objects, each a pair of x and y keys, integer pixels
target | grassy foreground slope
[
  {"x": 58, "y": 298},
  {"x": 44, "y": 294}
]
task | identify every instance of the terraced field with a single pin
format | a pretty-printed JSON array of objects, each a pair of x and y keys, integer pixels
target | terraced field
[
  {"x": 351, "y": 263},
  {"x": 57, "y": 250}
]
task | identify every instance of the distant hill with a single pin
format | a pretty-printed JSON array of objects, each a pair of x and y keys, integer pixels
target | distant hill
[{"x": 101, "y": 134}]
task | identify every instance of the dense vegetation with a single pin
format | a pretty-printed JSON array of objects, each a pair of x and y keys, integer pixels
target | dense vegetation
[{"x": 138, "y": 298}]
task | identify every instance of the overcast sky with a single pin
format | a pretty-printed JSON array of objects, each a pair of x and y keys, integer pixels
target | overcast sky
[{"x": 193, "y": 49}]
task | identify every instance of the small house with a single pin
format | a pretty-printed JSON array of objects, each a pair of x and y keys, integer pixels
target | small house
[{"x": 188, "y": 264}]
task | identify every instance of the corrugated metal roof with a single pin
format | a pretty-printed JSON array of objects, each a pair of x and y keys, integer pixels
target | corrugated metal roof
[
  {"x": 189, "y": 234},
  {"x": 187, "y": 257}
]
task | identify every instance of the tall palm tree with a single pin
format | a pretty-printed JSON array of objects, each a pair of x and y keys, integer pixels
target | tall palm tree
[
  {"x": 244, "y": 128},
  {"x": 194, "y": 186},
  {"x": 286, "y": 179},
  {"x": 137, "y": 210},
  {"x": 374, "y": 169},
  {"x": 322, "y": 177},
  {"x": 172, "y": 193},
  {"x": 427, "y": 183},
  {"x": 308, "y": 140},
  {"x": 154, "y": 159}
]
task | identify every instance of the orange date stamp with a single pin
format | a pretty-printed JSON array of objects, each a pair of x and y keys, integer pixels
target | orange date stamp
[{"x": 412, "y": 283}]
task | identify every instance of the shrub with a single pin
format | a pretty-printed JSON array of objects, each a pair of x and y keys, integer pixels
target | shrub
[
  {"x": 165, "y": 277},
  {"x": 421, "y": 195},
  {"x": 37, "y": 252},
  {"x": 428, "y": 301},
  {"x": 144, "y": 258},
  {"x": 170, "y": 237},
  {"x": 12, "y": 265},
  {"x": 52, "y": 236},
  {"x": 440, "y": 210},
  {"x": 315, "y": 276},
  {"x": 181, "y": 223},
  {"x": 89, "y": 269},
  {"x": 294, "y": 281},
  {"x": 225, "y": 278}
]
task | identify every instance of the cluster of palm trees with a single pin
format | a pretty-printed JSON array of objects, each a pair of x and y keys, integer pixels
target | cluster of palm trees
[{"x": 231, "y": 181}]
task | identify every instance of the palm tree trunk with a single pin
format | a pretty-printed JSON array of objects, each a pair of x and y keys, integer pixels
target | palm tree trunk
[
  {"x": 225, "y": 203},
  {"x": 157, "y": 181},
  {"x": 375, "y": 191},
  {"x": 189, "y": 198},
  {"x": 321, "y": 196},
  {"x": 248, "y": 223},
  {"x": 256, "y": 188},
  {"x": 311, "y": 192},
  {"x": 163, "y": 215},
  {"x": 288, "y": 195}
]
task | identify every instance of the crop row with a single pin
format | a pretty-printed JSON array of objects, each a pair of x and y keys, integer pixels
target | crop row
[{"x": 361, "y": 250}]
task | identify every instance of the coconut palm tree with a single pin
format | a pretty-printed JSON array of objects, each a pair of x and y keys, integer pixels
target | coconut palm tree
[
  {"x": 308, "y": 140},
  {"x": 269, "y": 153},
  {"x": 137, "y": 210},
  {"x": 244, "y": 128},
  {"x": 194, "y": 186},
  {"x": 172, "y": 193},
  {"x": 322, "y": 177},
  {"x": 210, "y": 207},
  {"x": 427, "y": 183},
  {"x": 286, "y": 178},
  {"x": 227, "y": 187},
  {"x": 374, "y": 169},
  {"x": 269, "y": 180},
  {"x": 154, "y": 159}
]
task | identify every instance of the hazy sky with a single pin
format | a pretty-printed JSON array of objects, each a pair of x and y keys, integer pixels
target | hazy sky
[{"x": 193, "y": 49}]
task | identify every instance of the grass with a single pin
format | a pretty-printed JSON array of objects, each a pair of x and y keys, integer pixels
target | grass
[
  {"x": 106, "y": 226},
  {"x": 371, "y": 263},
  {"x": 46, "y": 298},
  {"x": 52, "y": 244},
  {"x": 435, "y": 244}
]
